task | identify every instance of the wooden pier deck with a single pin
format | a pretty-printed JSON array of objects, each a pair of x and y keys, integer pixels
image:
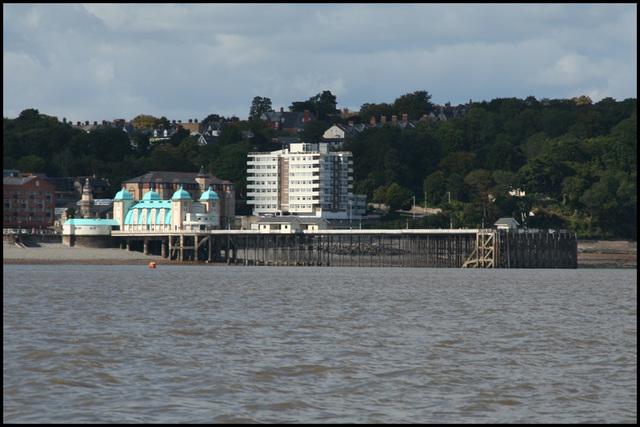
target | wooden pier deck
[{"x": 463, "y": 248}]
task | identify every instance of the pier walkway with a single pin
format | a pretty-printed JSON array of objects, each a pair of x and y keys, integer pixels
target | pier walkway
[{"x": 448, "y": 248}]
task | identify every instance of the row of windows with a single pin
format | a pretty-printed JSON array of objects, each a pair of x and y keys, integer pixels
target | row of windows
[
  {"x": 266, "y": 190},
  {"x": 39, "y": 218},
  {"x": 31, "y": 192},
  {"x": 23, "y": 202},
  {"x": 303, "y": 190},
  {"x": 263, "y": 175},
  {"x": 15, "y": 209},
  {"x": 301, "y": 198},
  {"x": 263, "y": 159},
  {"x": 265, "y": 167},
  {"x": 302, "y": 158},
  {"x": 265, "y": 182},
  {"x": 303, "y": 166}
]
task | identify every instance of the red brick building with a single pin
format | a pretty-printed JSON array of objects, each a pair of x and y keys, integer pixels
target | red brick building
[{"x": 29, "y": 202}]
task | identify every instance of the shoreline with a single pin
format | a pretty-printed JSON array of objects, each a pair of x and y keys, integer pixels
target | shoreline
[{"x": 609, "y": 255}]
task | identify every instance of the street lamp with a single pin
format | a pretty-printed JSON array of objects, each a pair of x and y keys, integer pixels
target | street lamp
[
  {"x": 414, "y": 207},
  {"x": 449, "y": 193}
]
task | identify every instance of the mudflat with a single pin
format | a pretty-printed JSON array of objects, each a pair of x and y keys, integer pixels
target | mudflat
[
  {"x": 58, "y": 253},
  {"x": 607, "y": 254}
]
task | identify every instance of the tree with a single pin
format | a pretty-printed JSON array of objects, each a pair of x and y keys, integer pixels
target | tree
[
  {"x": 460, "y": 162},
  {"x": 450, "y": 136},
  {"x": 145, "y": 121},
  {"x": 141, "y": 142},
  {"x": 324, "y": 105},
  {"x": 435, "y": 187},
  {"x": 30, "y": 114},
  {"x": 231, "y": 164},
  {"x": 214, "y": 118},
  {"x": 177, "y": 137},
  {"x": 258, "y": 106},
  {"x": 457, "y": 188},
  {"x": 313, "y": 131},
  {"x": 415, "y": 104},
  {"x": 582, "y": 100},
  {"x": 31, "y": 163},
  {"x": 231, "y": 134},
  {"x": 481, "y": 183},
  {"x": 380, "y": 194},
  {"x": 398, "y": 197},
  {"x": 367, "y": 111}
]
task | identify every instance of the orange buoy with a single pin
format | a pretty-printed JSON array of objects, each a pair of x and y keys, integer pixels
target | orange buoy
[{"x": 152, "y": 264}]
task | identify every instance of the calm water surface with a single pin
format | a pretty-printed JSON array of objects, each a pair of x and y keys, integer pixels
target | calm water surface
[{"x": 203, "y": 344}]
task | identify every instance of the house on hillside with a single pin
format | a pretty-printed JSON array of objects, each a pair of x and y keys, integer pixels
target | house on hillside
[
  {"x": 290, "y": 121},
  {"x": 443, "y": 113}
]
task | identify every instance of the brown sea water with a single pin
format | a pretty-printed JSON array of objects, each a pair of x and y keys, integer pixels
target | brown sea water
[{"x": 200, "y": 344}]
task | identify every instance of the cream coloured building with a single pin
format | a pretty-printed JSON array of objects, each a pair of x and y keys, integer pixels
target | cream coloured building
[{"x": 304, "y": 180}]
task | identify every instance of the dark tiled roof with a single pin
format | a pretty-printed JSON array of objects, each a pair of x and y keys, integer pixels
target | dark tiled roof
[{"x": 173, "y": 177}]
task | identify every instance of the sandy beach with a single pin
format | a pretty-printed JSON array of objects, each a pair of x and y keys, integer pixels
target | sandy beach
[{"x": 57, "y": 253}]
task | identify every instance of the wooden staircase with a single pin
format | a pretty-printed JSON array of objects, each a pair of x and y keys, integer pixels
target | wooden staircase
[{"x": 485, "y": 255}]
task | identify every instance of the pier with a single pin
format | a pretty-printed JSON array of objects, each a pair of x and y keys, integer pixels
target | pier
[{"x": 463, "y": 248}]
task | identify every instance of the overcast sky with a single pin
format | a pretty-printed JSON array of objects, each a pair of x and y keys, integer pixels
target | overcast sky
[{"x": 185, "y": 61}]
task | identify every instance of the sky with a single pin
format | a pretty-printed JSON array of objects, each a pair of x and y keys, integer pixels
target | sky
[{"x": 94, "y": 62}]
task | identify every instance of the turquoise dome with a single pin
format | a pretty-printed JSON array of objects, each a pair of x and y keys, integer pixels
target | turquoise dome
[
  {"x": 123, "y": 195},
  {"x": 209, "y": 195},
  {"x": 180, "y": 194},
  {"x": 151, "y": 195}
]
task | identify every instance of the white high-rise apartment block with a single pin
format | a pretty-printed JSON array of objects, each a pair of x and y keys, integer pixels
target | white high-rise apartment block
[{"x": 305, "y": 180}]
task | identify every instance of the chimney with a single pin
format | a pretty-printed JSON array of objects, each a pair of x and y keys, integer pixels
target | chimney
[
  {"x": 95, "y": 123},
  {"x": 195, "y": 120},
  {"x": 281, "y": 109},
  {"x": 306, "y": 116},
  {"x": 190, "y": 121},
  {"x": 405, "y": 117},
  {"x": 383, "y": 119},
  {"x": 373, "y": 120},
  {"x": 64, "y": 120},
  {"x": 394, "y": 118},
  {"x": 78, "y": 123},
  {"x": 173, "y": 121},
  {"x": 86, "y": 122},
  {"x": 424, "y": 117},
  {"x": 104, "y": 122}
]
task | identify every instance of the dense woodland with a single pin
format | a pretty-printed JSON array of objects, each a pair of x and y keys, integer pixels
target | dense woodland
[{"x": 576, "y": 160}]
